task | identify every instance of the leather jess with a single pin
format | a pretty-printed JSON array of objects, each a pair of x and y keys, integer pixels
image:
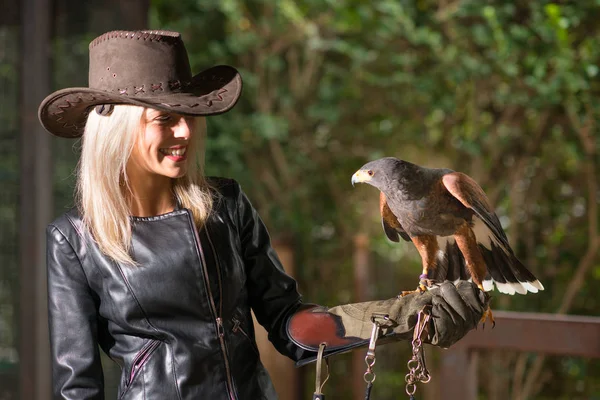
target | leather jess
[{"x": 179, "y": 323}]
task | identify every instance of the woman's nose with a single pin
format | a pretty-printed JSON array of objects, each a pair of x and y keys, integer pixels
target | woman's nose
[{"x": 184, "y": 128}]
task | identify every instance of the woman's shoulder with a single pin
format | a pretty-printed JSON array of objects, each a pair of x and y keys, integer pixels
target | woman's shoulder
[
  {"x": 226, "y": 187},
  {"x": 67, "y": 223}
]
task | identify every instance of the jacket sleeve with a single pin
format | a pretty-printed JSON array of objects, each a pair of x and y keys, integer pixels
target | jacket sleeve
[
  {"x": 72, "y": 315},
  {"x": 273, "y": 294}
]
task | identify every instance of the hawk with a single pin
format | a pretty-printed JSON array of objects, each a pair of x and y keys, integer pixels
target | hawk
[{"x": 449, "y": 219}]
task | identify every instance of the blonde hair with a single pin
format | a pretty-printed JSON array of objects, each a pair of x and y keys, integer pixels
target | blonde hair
[{"x": 102, "y": 186}]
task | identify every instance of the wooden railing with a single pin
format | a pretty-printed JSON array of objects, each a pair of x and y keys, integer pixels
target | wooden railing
[{"x": 551, "y": 334}]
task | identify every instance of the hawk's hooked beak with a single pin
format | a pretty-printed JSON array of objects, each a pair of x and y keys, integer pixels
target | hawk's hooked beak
[{"x": 360, "y": 176}]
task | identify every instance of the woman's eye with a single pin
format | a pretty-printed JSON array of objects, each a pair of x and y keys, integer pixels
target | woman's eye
[{"x": 163, "y": 118}]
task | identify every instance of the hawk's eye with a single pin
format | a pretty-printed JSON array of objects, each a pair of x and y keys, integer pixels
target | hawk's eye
[{"x": 370, "y": 172}]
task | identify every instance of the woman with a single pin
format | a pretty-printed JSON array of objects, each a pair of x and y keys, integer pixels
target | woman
[{"x": 159, "y": 266}]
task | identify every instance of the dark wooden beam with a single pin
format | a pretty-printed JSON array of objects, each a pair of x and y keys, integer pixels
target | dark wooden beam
[
  {"x": 35, "y": 201},
  {"x": 565, "y": 335},
  {"x": 539, "y": 333}
]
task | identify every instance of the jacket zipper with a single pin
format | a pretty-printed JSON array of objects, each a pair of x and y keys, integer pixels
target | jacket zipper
[
  {"x": 217, "y": 316},
  {"x": 219, "y": 320},
  {"x": 141, "y": 358}
]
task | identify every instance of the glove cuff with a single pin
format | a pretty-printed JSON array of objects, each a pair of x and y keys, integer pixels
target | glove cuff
[{"x": 312, "y": 325}]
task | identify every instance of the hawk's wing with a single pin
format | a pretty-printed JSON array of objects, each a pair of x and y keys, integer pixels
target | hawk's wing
[
  {"x": 472, "y": 196},
  {"x": 509, "y": 274},
  {"x": 391, "y": 225}
]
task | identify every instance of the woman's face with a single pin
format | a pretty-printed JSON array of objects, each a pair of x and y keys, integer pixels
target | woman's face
[{"x": 164, "y": 148}]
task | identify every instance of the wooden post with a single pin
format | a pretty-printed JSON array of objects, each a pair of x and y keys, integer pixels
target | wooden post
[
  {"x": 35, "y": 203},
  {"x": 458, "y": 373},
  {"x": 361, "y": 293},
  {"x": 283, "y": 373}
]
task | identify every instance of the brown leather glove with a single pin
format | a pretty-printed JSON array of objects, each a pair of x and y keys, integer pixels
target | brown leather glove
[{"x": 455, "y": 310}]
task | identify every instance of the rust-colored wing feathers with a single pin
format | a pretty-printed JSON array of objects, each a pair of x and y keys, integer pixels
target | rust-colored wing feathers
[
  {"x": 391, "y": 225},
  {"x": 505, "y": 270},
  {"x": 472, "y": 196}
]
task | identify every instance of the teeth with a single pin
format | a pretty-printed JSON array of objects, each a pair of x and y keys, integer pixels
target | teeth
[{"x": 174, "y": 152}]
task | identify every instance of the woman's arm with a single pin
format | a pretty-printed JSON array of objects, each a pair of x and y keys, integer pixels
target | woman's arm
[
  {"x": 273, "y": 294},
  {"x": 72, "y": 317}
]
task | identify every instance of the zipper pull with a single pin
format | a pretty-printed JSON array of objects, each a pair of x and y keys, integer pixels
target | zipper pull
[
  {"x": 220, "y": 329},
  {"x": 236, "y": 325}
]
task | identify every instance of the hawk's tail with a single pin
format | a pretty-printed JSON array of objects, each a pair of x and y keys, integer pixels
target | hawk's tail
[{"x": 504, "y": 269}]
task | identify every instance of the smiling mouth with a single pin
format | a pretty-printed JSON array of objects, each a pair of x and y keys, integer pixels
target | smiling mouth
[{"x": 176, "y": 152}]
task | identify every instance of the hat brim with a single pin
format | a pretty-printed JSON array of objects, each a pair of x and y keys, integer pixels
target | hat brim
[{"x": 212, "y": 91}]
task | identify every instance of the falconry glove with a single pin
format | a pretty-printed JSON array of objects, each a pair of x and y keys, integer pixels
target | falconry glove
[{"x": 455, "y": 310}]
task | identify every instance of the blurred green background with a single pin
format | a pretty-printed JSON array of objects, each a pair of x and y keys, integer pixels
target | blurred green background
[{"x": 505, "y": 91}]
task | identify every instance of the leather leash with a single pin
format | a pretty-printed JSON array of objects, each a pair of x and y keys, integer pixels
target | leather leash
[{"x": 318, "y": 395}]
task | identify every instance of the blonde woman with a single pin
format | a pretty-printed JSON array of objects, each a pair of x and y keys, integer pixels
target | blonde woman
[{"x": 158, "y": 266}]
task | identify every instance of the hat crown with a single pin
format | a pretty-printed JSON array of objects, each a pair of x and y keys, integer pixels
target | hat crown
[{"x": 139, "y": 63}]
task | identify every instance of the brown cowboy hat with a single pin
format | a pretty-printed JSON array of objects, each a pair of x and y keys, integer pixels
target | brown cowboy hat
[{"x": 145, "y": 68}]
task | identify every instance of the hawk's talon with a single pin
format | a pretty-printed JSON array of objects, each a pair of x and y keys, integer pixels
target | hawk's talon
[
  {"x": 493, "y": 325},
  {"x": 487, "y": 314},
  {"x": 420, "y": 290},
  {"x": 429, "y": 283}
]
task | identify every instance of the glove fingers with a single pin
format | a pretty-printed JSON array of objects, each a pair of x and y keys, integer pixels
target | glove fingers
[
  {"x": 447, "y": 312},
  {"x": 455, "y": 300},
  {"x": 449, "y": 325},
  {"x": 473, "y": 296},
  {"x": 456, "y": 310}
]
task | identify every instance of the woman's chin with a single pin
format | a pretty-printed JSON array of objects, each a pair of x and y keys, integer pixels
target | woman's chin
[
  {"x": 175, "y": 173},
  {"x": 180, "y": 175}
]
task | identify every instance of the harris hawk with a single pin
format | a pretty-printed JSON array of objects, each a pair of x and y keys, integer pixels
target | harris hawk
[{"x": 450, "y": 221}]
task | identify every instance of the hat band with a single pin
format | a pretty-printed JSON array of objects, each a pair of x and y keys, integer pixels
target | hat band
[{"x": 145, "y": 89}]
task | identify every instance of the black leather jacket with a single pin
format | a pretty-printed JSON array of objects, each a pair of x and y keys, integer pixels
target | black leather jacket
[{"x": 179, "y": 324}]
